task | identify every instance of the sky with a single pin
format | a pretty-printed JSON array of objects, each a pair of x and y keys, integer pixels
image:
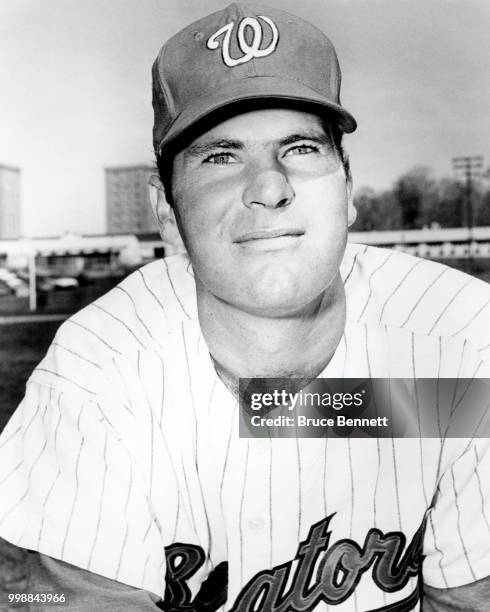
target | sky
[{"x": 75, "y": 91}]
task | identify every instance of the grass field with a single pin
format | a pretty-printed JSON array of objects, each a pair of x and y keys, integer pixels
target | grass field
[{"x": 22, "y": 346}]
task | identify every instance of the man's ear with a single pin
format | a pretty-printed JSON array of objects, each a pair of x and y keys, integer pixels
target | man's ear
[
  {"x": 164, "y": 216},
  {"x": 351, "y": 209}
]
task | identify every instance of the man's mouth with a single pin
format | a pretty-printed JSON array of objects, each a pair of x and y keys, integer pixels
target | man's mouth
[{"x": 269, "y": 238}]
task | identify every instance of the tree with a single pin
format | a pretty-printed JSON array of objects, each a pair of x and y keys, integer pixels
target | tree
[
  {"x": 449, "y": 209},
  {"x": 415, "y": 193},
  {"x": 375, "y": 211},
  {"x": 482, "y": 208},
  {"x": 418, "y": 200}
]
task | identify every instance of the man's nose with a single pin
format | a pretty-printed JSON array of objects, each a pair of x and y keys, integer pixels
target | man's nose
[{"x": 269, "y": 189}]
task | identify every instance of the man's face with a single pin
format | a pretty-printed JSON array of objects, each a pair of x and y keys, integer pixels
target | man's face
[{"x": 261, "y": 201}]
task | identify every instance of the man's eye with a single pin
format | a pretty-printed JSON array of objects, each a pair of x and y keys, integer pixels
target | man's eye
[
  {"x": 221, "y": 158},
  {"x": 302, "y": 149}
]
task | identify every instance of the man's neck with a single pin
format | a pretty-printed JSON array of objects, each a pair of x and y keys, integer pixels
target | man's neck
[{"x": 245, "y": 345}]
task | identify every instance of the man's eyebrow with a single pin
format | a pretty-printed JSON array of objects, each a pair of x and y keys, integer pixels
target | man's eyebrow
[
  {"x": 199, "y": 149},
  {"x": 317, "y": 136}
]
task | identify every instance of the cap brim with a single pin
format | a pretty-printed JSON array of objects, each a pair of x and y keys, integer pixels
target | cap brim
[{"x": 254, "y": 88}]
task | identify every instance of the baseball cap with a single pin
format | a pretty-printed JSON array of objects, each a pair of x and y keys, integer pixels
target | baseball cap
[{"x": 243, "y": 53}]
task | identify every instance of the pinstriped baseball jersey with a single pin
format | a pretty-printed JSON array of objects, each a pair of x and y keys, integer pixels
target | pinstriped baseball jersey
[{"x": 124, "y": 456}]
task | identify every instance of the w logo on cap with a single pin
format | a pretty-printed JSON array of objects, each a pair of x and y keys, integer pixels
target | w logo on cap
[{"x": 250, "y": 51}]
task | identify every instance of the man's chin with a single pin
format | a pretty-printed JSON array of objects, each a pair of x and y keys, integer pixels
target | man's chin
[
  {"x": 271, "y": 291},
  {"x": 276, "y": 305},
  {"x": 289, "y": 295}
]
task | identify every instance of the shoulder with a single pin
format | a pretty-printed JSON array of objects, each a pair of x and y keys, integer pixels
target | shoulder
[
  {"x": 134, "y": 317},
  {"x": 387, "y": 287}
]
